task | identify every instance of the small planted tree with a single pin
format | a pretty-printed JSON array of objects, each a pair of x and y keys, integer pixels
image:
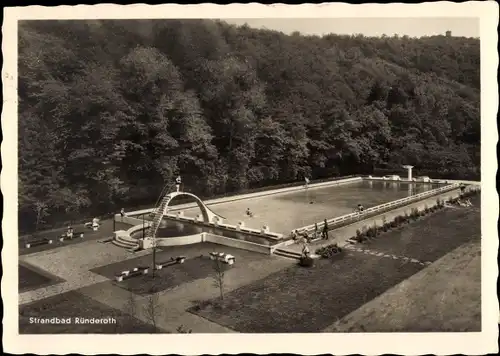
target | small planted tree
[
  {"x": 41, "y": 210},
  {"x": 219, "y": 276},
  {"x": 152, "y": 307},
  {"x": 131, "y": 305},
  {"x": 385, "y": 226}
]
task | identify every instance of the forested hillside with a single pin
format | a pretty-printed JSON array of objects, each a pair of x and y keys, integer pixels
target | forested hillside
[{"x": 110, "y": 110}]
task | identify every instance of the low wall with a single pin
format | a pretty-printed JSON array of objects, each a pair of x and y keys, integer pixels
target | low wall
[
  {"x": 243, "y": 245},
  {"x": 129, "y": 220},
  {"x": 137, "y": 228},
  {"x": 180, "y": 240}
]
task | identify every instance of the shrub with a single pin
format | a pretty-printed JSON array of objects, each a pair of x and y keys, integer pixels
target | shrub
[
  {"x": 426, "y": 209},
  {"x": 306, "y": 261},
  {"x": 329, "y": 251}
]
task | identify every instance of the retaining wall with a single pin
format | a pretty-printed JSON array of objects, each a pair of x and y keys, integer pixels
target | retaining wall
[{"x": 243, "y": 245}]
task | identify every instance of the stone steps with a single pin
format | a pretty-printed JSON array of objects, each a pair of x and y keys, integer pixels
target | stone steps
[{"x": 288, "y": 254}]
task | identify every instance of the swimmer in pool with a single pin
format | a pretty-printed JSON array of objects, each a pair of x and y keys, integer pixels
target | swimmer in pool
[{"x": 249, "y": 213}]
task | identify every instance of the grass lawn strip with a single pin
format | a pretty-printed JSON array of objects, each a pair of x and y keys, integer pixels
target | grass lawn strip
[
  {"x": 307, "y": 299},
  {"x": 444, "y": 297},
  {"x": 170, "y": 277},
  {"x": 195, "y": 267},
  {"x": 31, "y": 278},
  {"x": 74, "y": 305}
]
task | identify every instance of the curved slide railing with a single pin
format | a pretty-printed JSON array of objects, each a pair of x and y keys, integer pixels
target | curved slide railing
[{"x": 161, "y": 210}]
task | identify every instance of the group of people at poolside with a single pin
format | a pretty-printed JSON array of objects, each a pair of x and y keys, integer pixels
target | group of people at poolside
[
  {"x": 464, "y": 203},
  {"x": 296, "y": 234}
]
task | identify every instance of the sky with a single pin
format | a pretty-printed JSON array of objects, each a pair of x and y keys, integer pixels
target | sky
[{"x": 413, "y": 27}]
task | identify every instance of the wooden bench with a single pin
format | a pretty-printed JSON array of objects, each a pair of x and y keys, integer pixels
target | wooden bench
[
  {"x": 172, "y": 261},
  {"x": 75, "y": 235},
  {"x": 137, "y": 271},
  {"x": 40, "y": 242},
  {"x": 224, "y": 257}
]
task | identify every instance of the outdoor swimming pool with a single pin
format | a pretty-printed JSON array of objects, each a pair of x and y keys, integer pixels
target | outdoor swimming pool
[{"x": 285, "y": 211}]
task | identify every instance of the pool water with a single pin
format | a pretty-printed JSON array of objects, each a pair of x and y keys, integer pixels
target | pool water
[{"x": 173, "y": 228}]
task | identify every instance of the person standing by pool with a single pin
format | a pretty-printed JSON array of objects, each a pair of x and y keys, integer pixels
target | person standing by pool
[
  {"x": 307, "y": 182},
  {"x": 316, "y": 230},
  {"x": 325, "y": 230},
  {"x": 305, "y": 250},
  {"x": 69, "y": 233},
  {"x": 178, "y": 182}
]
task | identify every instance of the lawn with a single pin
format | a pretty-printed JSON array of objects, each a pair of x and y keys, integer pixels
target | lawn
[
  {"x": 306, "y": 299},
  {"x": 445, "y": 297},
  {"x": 31, "y": 278},
  {"x": 196, "y": 266},
  {"x": 75, "y": 305},
  {"x": 170, "y": 277}
]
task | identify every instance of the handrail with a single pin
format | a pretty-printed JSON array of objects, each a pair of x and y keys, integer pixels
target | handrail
[{"x": 376, "y": 208}]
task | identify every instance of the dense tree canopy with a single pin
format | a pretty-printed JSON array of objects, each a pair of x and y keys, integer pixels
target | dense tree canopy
[{"x": 110, "y": 110}]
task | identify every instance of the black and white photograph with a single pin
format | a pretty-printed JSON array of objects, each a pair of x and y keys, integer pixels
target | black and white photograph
[{"x": 304, "y": 179}]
